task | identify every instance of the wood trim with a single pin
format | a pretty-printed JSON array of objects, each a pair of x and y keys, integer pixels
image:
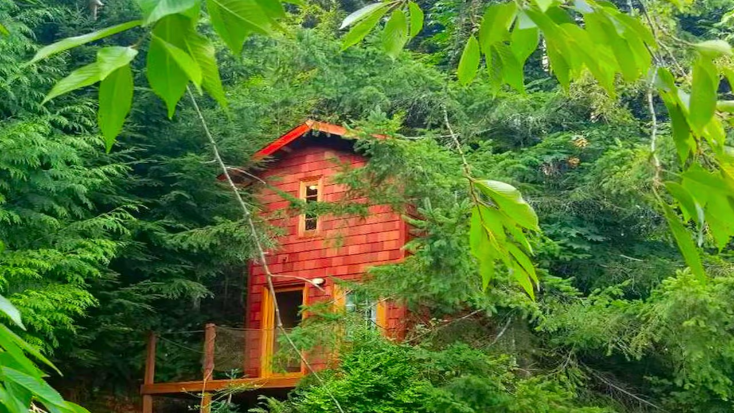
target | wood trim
[
  {"x": 215, "y": 385},
  {"x": 268, "y": 331},
  {"x": 382, "y": 307},
  {"x": 319, "y": 181}
]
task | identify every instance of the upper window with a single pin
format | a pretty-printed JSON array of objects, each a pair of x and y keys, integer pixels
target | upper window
[{"x": 311, "y": 193}]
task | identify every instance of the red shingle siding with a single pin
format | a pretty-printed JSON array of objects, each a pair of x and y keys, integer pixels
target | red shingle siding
[{"x": 345, "y": 247}]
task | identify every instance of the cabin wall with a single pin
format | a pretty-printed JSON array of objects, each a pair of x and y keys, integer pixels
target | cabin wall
[{"x": 344, "y": 248}]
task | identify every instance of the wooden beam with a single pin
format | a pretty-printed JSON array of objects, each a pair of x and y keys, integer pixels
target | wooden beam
[{"x": 215, "y": 385}]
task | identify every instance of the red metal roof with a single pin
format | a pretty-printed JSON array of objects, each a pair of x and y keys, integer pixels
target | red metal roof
[{"x": 296, "y": 133}]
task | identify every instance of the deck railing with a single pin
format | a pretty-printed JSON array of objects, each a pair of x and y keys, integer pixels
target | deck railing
[{"x": 218, "y": 356}]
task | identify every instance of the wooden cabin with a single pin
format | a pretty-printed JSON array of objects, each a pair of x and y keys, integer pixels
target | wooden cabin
[{"x": 312, "y": 253}]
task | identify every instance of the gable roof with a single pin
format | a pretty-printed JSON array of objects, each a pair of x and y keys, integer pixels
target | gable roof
[{"x": 296, "y": 133}]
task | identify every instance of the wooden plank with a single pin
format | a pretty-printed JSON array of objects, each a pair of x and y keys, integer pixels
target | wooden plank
[
  {"x": 147, "y": 404},
  {"x": 206, "y": 403},
  {"x": 215, "y": 385}
]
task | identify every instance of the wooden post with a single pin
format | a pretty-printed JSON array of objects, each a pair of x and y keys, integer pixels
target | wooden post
[
  {"x": 210, "y": 335},
  {"x": 149, "y": 377},
  {"x": 206, "y": 403}
]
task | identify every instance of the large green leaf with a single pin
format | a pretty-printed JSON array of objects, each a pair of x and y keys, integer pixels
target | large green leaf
[
  {"x": 72, "y": 42},
  {"x": 362, "y": 14},
  {"x": 35, "y": 385},
  {"x": 165, "y": 76},
  {"x": 7, "y": 308},
  {"x": 27, "y": 347},
  {"x": 273, "y": 8},
  {"x": 109, "y": 59},
  {"x": 523, "y": 43},
  {"x": 115, "y": 100},
  {"x": 182, "y": 58},
  {"x": 395, "y": 34},
  {"x": 361, "y": 29},
  {"x": 233, "y": 20},
  {"x": 496, "y": 24},
  {"x": 703, "y": 93},
  {"x": 178, "y": 31},
  {"x": 510, "y": 201},
  {"x": 512, "y": 70},
  {"x": 714, "y": 48},
  {"x": 84, "y": 76},
  {"x": 684, "y": 241},
  {"x": 688, "y": 205},
  {"x": 469, "y": 63},
  {"x": 154, "y": 10},
  {"x": 416, "y": 19},
  {"x": 684, "y": 142}
]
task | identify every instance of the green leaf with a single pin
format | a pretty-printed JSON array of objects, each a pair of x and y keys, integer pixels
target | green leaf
[
  {"x": 685, "y": 200},
  {"x": 395, "y": 34},
  {"x": 361, "y": 29},
  {"x": 27, "y": 347},
  {"x": 469, "y": 63},
  {"x": 684, "y": 142},
  {"x": 510, "y": 201},
  {"x": 684, "y": 242},
  {"x": 362, "y": 14},
  {"x": 496, "y": 24},
  {"x": 273, "y": 8},
  {"x": 115, "y": 100},
  {"x": 494, "y": 68},
  {"x": 72, "y": 42},
  {"x": 7, "y": 308},
  {"x": 523, "y": 43},
  {"x": 703, "y": 93},
  {"x": 112, "y": 58},
  {"x": 165, "y": 76},
  {"x": 84, "y": 76},
  {"x": 512, "y": 70},
  {"x": 184, "y": 61},
  {"x": 713, "y": 48},
  {"x": 154, "y": 10},
  {"x": 36, "y": 386},
  {"x": 233, "y": 20},
  {"x": 178, "y": 31},
  {"x": 3, "y": 30},
  {"x": 416, "y": 19},
  {"x": 523, "y": 278},
  {"x": 13, "y": 356},
  {"x": 543, "y": 4}
]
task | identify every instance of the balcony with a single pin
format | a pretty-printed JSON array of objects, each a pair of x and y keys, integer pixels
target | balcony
[{"x": 220, "y": 358}]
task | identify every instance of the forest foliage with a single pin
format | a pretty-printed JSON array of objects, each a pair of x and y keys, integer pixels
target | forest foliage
[{"x": 611, "y": 119}]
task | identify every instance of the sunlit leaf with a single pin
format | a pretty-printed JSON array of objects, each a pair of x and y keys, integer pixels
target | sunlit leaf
[
  {"x": 512, "y": 70},
  {"x": 510, "y": 201},
  {"x": 154, "y": 10},
  {"x": 36, "y": 386},
  {"x": 84, "y": 76},
  {"x": 362, "y": 14},
  {"x": 416, "y": 19},
  {"x": 7, "y": 308},
  {"x": 684, "y": 142},
  {"x": 703, "y": 93},
  {"x": 469, "y": 63},
  {"x": 72, "y": 42},
  {"x": 496, "y": 24},
  {"x": 115, "y": 100},
  {"x": 395, "y": 34},
  {"x": 714, "y": 48},
  {"x": 182, "y": 58},
  {"x": 685, "y": 200},
  {"x": 523, "y": 43},
  {"x": 112, "y": 58},
  {"x": 361, "y": 29}
]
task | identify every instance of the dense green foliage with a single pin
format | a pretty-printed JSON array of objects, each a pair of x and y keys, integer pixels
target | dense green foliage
[{"x": 102, "y": 247}]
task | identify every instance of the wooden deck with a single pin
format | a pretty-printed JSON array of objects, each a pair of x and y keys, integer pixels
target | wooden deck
[{"x": 215, "y": 385}]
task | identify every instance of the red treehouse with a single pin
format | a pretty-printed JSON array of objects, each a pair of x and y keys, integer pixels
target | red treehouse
[{"x": 313, "y": 251}]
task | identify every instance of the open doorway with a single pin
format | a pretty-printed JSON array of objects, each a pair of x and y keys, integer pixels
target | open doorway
[{"x": 287, "y": 362}]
